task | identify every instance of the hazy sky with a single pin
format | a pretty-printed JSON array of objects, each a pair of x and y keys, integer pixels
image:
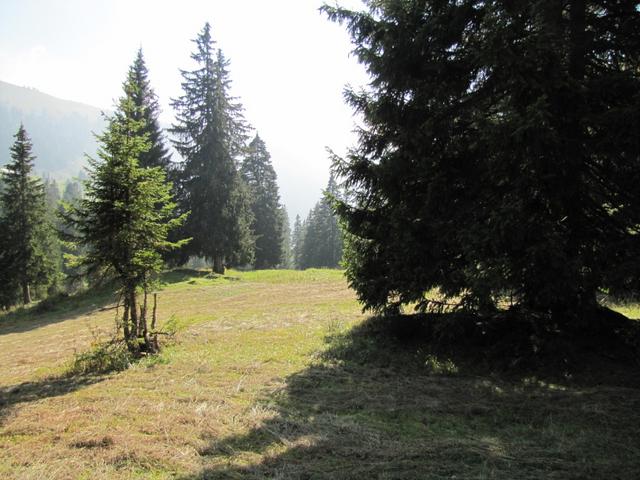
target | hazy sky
[{"x": 289, "y": 66}]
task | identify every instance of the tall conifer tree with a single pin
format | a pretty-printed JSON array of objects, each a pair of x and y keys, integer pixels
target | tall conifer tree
[
  {"x": 500, "y": 153},
  {"x": 124, "y": 219},
  {"x": 260, "y": 177},
  {"x": 287, "y": 251},
  {"x": 297, "y": 240},
  {"x": 27, "y": 258},
  {"x": 56, "y": 248},
  {"x": 148, "y": 109},
  {"x": 51, "y": 193},
  {"x": 72, "y": 191},
  {"x": 210, "y": 132},
  {"x": 321, "y": 243},
  {"x": 71, "y": 196}
]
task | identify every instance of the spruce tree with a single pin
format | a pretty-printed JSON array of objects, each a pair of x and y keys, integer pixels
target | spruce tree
[
  {"x": 148, "y": 109},
  {"x": 258, "y": 173},
  {"x": 71, "y": 196},
  {"x": 125, "y": 216},
  {"x": 332, "y": 229},
  {"x": 499, "y": 153},
  {"x": 312, "y": 240},
  {"x": 51, "y": 193},
  {"x": 72, "y": 191},
  {"x": 52, "y": 199},
  {"x": 297, "y": 240},
  {"x": 210, "y": 133},
  {"x": 55, "y": 248},
  {"x": 27, "y": 258},
  {"x": 287, "y": 251},
  {"x": 321, "y": 244}
]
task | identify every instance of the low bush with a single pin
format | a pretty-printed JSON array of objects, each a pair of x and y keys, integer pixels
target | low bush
[{"x": 102, "y": 357}]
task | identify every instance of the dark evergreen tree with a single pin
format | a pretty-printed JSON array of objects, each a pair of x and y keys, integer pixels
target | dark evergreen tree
[
  {"x": 210, "y": 133},
  {"x": 71, "y": 196},
  {"x": 72, "y": 191},
  {"x": 500, "y": 152},
  {"x": 332, "y": 228},
  {"x": 26, "y": 256},
  {"x": 312, "y": 239},
  {"x": 10, "y": 292},
  {"x": 51, "y": 194},
  {"x": 52, "y": 200},
  {"x": 1, "y": 191},
  {"x": 321, "y": 243},
  {"x": 287, "y": 252},
  {"x": 148, "y": 110},
  {"x": 124, "y": 218},
  {"x": 297, "y": 241},
  {"x": 259, "y": 175}
]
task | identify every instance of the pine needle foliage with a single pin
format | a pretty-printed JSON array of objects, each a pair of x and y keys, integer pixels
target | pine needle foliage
[
  {"x": 297, "y": 240},
  {"x": 148, "y": 109},
  {"x": 319, "y": 239},
  {"x": 210, "y": 134},
  {"x": 27, "y": 238},
  {"x": 125, "y": 216},
  {"x": 499, "y": 155},
  {"x": 268, "y": 215}
]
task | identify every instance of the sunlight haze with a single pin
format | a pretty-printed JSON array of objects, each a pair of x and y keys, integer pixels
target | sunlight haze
[{"x": 289, "y": 66}]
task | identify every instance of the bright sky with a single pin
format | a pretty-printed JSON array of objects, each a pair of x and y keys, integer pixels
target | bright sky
[{"x": 289, "y": 66}]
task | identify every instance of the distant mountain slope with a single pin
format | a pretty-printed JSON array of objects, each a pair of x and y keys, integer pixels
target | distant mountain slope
[{"x": 61, "y": 130}]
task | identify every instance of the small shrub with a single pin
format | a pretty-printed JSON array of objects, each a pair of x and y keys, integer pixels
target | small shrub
[
  {"x": 102, "y": 357},
  {"x": 171, "y": 327}
]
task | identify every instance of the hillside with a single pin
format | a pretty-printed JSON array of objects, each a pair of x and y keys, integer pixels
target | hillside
[
  {"x": 277, "y": 374},
  {"x": 61, "y": 130}
]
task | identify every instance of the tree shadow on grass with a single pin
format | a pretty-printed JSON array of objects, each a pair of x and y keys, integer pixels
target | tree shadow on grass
[
  {"x": 57, "y": 309},
  {"x": 377, "y": 403},
  {"x": 65, "y": 307},
  {"x": 178, "y": 275},
  {"x": 27, "y": 392}
]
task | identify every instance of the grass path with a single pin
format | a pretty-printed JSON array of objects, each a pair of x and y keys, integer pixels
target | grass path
[{"x": 278, "y": 375}]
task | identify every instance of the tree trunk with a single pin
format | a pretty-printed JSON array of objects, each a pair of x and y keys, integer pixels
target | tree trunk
[
  {"x": 133, "y": 310},
  {"x": 142, "y": 317},
  {"x": 563, "y": 288},
  {"x": 218, "y": 264},
  {"x": 26, "y": 293},
  {"x": 125, "y": 320},
  {"x": 577, "y": 60},
  {"x": 580, "y": 261},
  {"x": 153, "y": 322},
  {"x": 143, "y": 324},
  {"x": 581, "y": 226}
]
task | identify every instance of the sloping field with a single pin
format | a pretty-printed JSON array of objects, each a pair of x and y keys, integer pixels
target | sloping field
[{"x": 277, "y": 374}]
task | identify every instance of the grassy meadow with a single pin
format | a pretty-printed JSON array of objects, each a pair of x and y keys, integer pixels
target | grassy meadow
[{"x": 279, "y": 375}]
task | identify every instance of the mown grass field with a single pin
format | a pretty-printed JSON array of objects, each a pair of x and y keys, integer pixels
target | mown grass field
[{"x": 278, "y": 375}]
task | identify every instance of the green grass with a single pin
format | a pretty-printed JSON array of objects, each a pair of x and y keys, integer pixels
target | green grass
[{"x": 277, "y": 374}]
